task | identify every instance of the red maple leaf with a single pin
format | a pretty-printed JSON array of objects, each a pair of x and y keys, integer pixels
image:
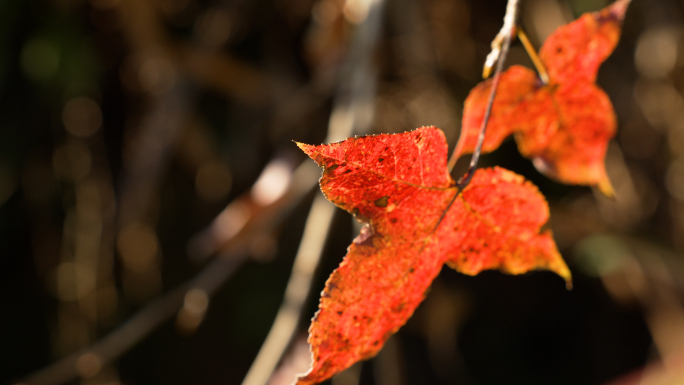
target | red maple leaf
[
  {"x": 563, "y": 126},
  {"x": 398, "y": 185}
]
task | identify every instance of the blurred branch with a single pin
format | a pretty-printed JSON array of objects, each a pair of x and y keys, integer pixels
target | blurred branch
[
  {"x": 147, "y": 157},
  {"x": 148, "y": 151},
  {"x": 148, "y": 154},
  {"x": 171, "y": 95},
  {"x": 352, "y": 112},
  {"x": 222, "y": 72},
  {"x": 298, "y": 287},
  {"x": 135, "y": 329},
  {"x": 209, "y": 279},
  {"x": 249, "y": 216}
]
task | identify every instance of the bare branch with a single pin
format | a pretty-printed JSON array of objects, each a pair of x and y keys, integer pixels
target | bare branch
[
  {"x": 136, "y": 328},
  {"x": 507, "y": 30},
  {"x": 499, "y": 52}
]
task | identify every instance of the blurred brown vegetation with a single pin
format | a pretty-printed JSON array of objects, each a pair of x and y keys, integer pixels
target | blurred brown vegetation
[{"x": 152, "y": 202}]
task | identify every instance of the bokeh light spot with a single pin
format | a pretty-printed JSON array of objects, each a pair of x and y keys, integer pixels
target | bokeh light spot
[
  {"x": 40, "y": 59},
  {"x": 138, "y": 247},
  {"x": 656, "y": 52},
  {"x": 82, "y": 117}
]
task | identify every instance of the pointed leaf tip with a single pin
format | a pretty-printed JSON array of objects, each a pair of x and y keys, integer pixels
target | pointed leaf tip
[
  {"x": 304, "y": 147},
  {"x": 618, "y": 9}
]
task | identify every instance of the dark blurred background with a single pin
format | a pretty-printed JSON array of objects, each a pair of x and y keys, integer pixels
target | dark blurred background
[{"x": 152, "y": 201}]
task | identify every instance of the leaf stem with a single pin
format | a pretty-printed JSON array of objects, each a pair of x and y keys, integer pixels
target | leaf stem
[{"x": 543, "y": 75}]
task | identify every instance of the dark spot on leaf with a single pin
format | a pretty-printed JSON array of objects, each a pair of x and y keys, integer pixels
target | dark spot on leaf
[
  {"x": 393, "y": 220},
  {"x": 382, "y": 202},
  {"x": 332, "y": 167},
  {"x": 411, "y": 270},
  {"x": 348, "y": 171},
  {"x": 360, "y": 216},
  {"x": 339, "y": 312},
  {"x": 376, "y": 342},
  {"x": 381, "y": 159}
]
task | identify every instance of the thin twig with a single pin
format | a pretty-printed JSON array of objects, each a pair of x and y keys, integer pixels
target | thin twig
[
  {"x": 500, "y": 55},
  {"x": 465, "y": 179},
  {"x": 354, "y": 94},
  {"x": 507, "y": 30},
  {"x": 499, "y": 52}
]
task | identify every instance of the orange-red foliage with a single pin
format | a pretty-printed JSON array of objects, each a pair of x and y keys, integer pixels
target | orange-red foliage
[
  {"x": 563, "y": 126},
  {"x": 398, "y": 185}
]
